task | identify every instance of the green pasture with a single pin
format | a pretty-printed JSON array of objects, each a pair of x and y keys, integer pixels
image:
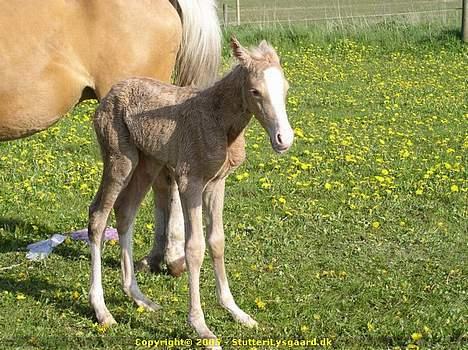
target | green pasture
[{"x": 358, "y": 234}]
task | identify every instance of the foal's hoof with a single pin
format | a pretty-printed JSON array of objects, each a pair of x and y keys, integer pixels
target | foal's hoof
[
  {"x": 211, "y": 343},
  {"x": 107, "y": 320},
  {"x": 176, "y": 267},
  {"x": 143, "y": 265},
  {"x": 250, "y": 323},
  {"x": 148, "y": 265},
  {"x": 247, "y": 321},
  {"x": 214, "y": 347},
  {"x": 148, "y": 305}
]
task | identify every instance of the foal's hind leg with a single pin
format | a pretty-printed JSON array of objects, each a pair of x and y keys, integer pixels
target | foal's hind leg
[
  {"x": 126, "y": 208},
  {"x": 213, "y": 201},
  {"x": 169, "y": 233},
  {"x": 117, "y": 172},
  {"x": 175, "y": 248}
]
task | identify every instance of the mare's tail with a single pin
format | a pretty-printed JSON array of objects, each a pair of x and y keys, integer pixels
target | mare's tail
[{"x": 199, "y": 55}]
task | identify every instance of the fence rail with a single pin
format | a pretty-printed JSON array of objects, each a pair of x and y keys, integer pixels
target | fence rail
[{"x": 414, "y": 10}]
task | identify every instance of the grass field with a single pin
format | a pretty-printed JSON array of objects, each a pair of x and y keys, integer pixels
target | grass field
[
  {"x": 335, "y": 12},
  {"x": 358, "y": 234}
]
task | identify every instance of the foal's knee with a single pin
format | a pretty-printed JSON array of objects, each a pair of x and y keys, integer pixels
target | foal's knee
[
  {"x": 216, "y": 244},
  {"x": 194, "y": 251}
]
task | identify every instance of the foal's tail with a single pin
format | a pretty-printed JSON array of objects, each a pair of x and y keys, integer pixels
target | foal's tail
[{"x": 199, "y": 55}]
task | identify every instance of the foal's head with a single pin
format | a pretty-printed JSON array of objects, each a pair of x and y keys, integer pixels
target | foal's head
[{"x": 265, "y": 92}]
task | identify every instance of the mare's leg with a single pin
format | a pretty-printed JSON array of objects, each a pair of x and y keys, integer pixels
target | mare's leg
[
  {"x": 191, "y": 197},
  {"x": 126, "y": 208},
  {"x": 117, "y": 172},
  {"x": 213, "y": 201}
]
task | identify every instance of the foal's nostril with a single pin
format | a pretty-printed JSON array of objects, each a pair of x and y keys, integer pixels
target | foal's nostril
[{"x": 278, "y": 139}]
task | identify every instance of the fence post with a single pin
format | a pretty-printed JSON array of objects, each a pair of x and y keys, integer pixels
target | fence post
[
  {"x": 225, "y": 15},
  {"x": 464, "y": 28},
  {"x": 238, "y": 12}
]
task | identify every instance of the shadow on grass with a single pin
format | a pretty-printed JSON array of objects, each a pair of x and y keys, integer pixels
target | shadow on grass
[
  {"x": 59, "y": 297},
  {"x": 20, "y": 233},
  {"x": 43, "y": 291}
]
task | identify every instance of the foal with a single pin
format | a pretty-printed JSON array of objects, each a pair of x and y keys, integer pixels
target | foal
[{"x": 146, "y": 127}]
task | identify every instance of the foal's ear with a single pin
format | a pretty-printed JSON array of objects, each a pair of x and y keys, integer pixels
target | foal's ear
[
  {"x": 240, "y": 52},
  {"x": 268, "y": 52}
]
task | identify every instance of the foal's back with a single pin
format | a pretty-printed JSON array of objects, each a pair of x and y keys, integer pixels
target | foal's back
[{"x": 129, "y": 111}]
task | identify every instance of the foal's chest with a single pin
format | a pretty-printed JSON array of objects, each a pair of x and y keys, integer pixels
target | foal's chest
[{"x": 235, "y": 156}]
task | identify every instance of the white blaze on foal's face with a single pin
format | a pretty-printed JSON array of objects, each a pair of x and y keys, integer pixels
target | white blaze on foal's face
[{"x": 276, "y": 121}]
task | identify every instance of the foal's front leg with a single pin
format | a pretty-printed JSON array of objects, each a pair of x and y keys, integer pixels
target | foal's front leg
[
  {"x": 213, "y": 200},
  {"x": 191, "y": 198}
]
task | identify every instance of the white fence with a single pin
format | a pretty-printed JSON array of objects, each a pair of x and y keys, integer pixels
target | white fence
[{"x": 260, "y": 12}]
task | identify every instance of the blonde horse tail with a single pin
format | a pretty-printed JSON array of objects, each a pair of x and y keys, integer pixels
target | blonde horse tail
[{"x": 199, "y": 55}]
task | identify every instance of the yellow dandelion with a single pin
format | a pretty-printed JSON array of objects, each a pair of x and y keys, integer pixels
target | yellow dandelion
[
  {"x": 102, "y": 328},
  {"x": 140, "y": 309},
  {"x": 412, "y": 347},
  {"x": 375, "y": 225},
  {"x": 419, "y": 191},
  {"x": 328, "y": 186},
  {"x": 260, "y": 303},
  {"x": 299, "y": 132},
  {"x": 416, "y": 336},
  {"x": 454, "y": 188},
  {"x": 20, "y": 296}
]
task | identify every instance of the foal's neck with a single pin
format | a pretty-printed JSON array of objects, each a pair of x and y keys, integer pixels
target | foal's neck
[{"x": 227, "y": 97}]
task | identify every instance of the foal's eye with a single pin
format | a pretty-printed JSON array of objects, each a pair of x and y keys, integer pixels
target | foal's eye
[{"x": 255, "y": 92}]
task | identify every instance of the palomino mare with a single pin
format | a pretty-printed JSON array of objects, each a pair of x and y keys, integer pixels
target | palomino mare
[
  {"x": 144, "y": 127},
  {"x": 54, "y": 53}
]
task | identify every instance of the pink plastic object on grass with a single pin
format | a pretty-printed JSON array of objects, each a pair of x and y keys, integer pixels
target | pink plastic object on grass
[{"x": 110, "y": 233}]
